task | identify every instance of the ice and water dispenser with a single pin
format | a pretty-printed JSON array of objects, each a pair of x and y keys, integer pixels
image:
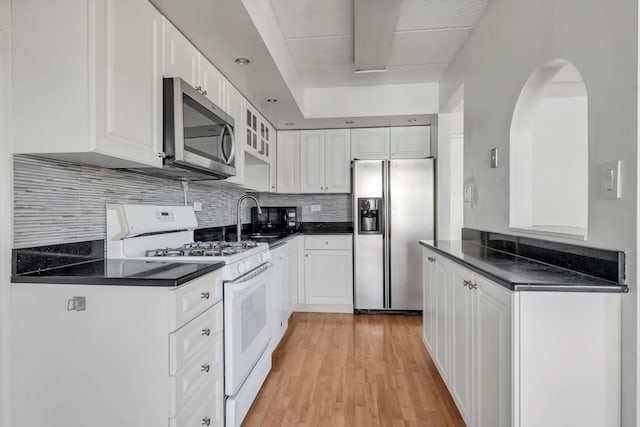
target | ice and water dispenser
[{"x": 370, "y": 215}]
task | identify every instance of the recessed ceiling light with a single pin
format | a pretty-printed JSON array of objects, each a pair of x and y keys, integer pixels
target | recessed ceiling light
[
  {"x": 241, "y": 60},
  {"x": 272, "y": 100},
  {"x": 349, "y": 122},
  {"x": 289, "y": 124},
  {"x": 412, "y": 120}
]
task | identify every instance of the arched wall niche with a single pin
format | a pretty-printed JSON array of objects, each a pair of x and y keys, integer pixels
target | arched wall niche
[{"x": 549, "y": 153}]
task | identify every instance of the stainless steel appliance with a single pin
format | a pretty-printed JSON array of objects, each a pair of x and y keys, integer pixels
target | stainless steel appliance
[
  {"x": 198, "y": 135},
  {"x": 166, "y": 232},
  {"x": 393, "y": 208}
]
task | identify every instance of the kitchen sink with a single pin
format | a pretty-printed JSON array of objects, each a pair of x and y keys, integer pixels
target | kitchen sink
[{"x": 264, "y": 235}]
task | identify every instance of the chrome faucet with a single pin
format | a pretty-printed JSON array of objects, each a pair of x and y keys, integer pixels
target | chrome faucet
[{"x": 238, "y": 220}]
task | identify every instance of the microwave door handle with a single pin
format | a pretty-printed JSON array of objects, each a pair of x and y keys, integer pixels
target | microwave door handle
[{"x": 228, "y": 160}]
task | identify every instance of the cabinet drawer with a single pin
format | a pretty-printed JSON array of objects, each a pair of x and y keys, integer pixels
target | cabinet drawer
[
  {"x": 200, "y": 370},
  {"x": 203, "y": 331},
  {"x": 205, "y": 408},
  {"x": 195, "y": 297},
  {"x": 328, "y": 242}
]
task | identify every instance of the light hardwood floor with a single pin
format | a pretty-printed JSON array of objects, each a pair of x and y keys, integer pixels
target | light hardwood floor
[{"x": 353, "y": 370}]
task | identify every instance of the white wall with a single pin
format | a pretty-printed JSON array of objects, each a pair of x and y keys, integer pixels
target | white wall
[
  {"x": 5, "y": 212},
  {"x": 509, "y": 42}
]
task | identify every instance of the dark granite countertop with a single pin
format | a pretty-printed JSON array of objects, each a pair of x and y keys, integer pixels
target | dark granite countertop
[
  {"x": 120, "y": 272},
  {"x": 518, "y": 273}
]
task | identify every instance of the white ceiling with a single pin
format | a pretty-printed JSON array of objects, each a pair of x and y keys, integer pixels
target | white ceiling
[{"x": 317, "y": 37}]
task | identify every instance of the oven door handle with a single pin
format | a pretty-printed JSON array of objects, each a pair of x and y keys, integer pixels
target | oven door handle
[{"x": 249, "y": 279}]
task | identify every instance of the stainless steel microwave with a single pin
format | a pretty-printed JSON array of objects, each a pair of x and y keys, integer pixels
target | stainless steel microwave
[{"x": 198, "y": 135}]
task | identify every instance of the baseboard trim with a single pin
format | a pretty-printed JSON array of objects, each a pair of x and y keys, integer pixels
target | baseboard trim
[{"x": 324, "y": 308}]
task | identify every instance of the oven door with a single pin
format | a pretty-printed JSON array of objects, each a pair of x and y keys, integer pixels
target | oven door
[{"x": 246, "y": 328}]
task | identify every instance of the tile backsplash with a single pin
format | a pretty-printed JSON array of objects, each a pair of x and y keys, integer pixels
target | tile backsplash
[{"x": 61, "y": 202}]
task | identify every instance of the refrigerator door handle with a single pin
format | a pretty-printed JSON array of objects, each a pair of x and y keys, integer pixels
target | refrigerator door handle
[{"x": 386, "y": 236}]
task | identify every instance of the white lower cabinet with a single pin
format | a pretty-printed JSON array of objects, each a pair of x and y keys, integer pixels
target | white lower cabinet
[
  {"x": 279, "y": 294},
  {"x": 328, "y": 274},
  {"x": 522, "y": 359},
  {"x": 142, "y": 356}
]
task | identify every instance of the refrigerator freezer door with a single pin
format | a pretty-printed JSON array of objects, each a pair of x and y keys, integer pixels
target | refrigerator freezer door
[
  {"x": 368, "y": 248},
  {"x": 411, "y": 218}
]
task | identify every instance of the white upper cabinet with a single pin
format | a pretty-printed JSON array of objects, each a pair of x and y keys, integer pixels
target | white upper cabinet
[
  {"x": 370, "y": 143},
  {"x": 181, "y": 59},
  {"x": 90, "y": 88},
  {"x": 288, "y": 162},
  {"x": 337, "y": 161},
  {"x": 410, "y": 142},
  {"x": 312, "y": 153},
  {"x": 325, "y": 161}
]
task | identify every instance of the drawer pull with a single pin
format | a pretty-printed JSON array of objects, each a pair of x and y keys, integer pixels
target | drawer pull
[
  {"x": 473, "y": 286},
  {"x": 206, "y": 331},
  {"x": 204, "y": 295},
  {"x": 431, "y": 259},
  {"x": 206, "y": 421},
  {"x": 467, "y": 283},
  {"x": 205, "y": 367}
]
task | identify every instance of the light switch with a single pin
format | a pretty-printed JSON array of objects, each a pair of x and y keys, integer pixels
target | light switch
[
  {"x": 316, "y": 208},
  {"x": 468, "y": 193},
  {"x": 610, "y": 174},
  {"x": 494, "y": 157}
]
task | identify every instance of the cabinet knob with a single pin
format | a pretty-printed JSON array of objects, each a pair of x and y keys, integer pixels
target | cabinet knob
[
  {"x": 473, "y": 286},
  {"x": 199, "y": 88},
  {"x": 307, "y": 255},
  {"x": 326, "y": 243},
  {"x": 205, "y": 367},
  {"x": 431, "y": 259},
  {"x": 326, "y": 188},
  {"x": 273, "y": 186},
  {"x": 204, "y": 295},
  {"x": 206, "y": 331},
  {"x": 204, "y": 92},
  {"x": 467, "y": 283},
  {"x": 206, "y": 421}
]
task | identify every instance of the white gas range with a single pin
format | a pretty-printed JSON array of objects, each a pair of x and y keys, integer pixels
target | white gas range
[{"x": 166, "y": 232}]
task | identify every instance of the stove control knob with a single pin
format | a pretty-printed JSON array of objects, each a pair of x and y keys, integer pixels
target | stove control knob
[
  {"x": 266, "y": 256},
  {"x": 241, "y": 268},
  {"x": 247, "y": 265}
]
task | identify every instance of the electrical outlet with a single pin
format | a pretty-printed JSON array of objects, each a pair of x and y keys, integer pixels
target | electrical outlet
[
  {"x": 468, "y": 193},
  {"x": 316, "y": 208},
  {"x": 197, "y": 206}
]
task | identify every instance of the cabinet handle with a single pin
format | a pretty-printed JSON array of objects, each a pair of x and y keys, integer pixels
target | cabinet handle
[
  {"x": 199, "y": 89},
  {"x": 206, "y": 421},
  {"x": 273, "y": 186},
  {"x": 205, "y": 367},
  {"x": 204, "y": 295},
  {"x": 467, "y": 283},
  {"x": 204, "y": 92},
  {"x": 206, "y": 331},
  {"x": 473, "y": 286},
  {"x": 326, "y": 188},
  {"x": 307, "y": 255},
  {"x": 431, "y": 259}
]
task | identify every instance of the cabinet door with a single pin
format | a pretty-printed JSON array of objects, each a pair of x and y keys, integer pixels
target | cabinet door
[
  {"x": 312, "y": 154},
  {"x": 272, "y": 150},
  {"x": 128, "y": 121},
  {"x": 251, "y": 124},
  {"x": 337, "y": 161},
  {"x": 212, "y": 82},
  {"x": 372, "y": 143},
  {"x": 428, "y": 295},
  {"x": 235, "y": 107},
  {"x": 288, "y": 162},
  {"x": 294, "y": 247},
  {"x": 410, "y": 142},
  {"x": 328, "y": 277},
  {"x": 462, "y": 302},
  {"x": 279, "y": 295},
  {"x": 493, "y": 356},
  {"x": 179, "y": 57},
  {"x": 441, "y": 323}
]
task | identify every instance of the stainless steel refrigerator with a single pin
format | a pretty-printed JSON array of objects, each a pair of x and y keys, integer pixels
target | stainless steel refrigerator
[{"x": 393, "y": 208}]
